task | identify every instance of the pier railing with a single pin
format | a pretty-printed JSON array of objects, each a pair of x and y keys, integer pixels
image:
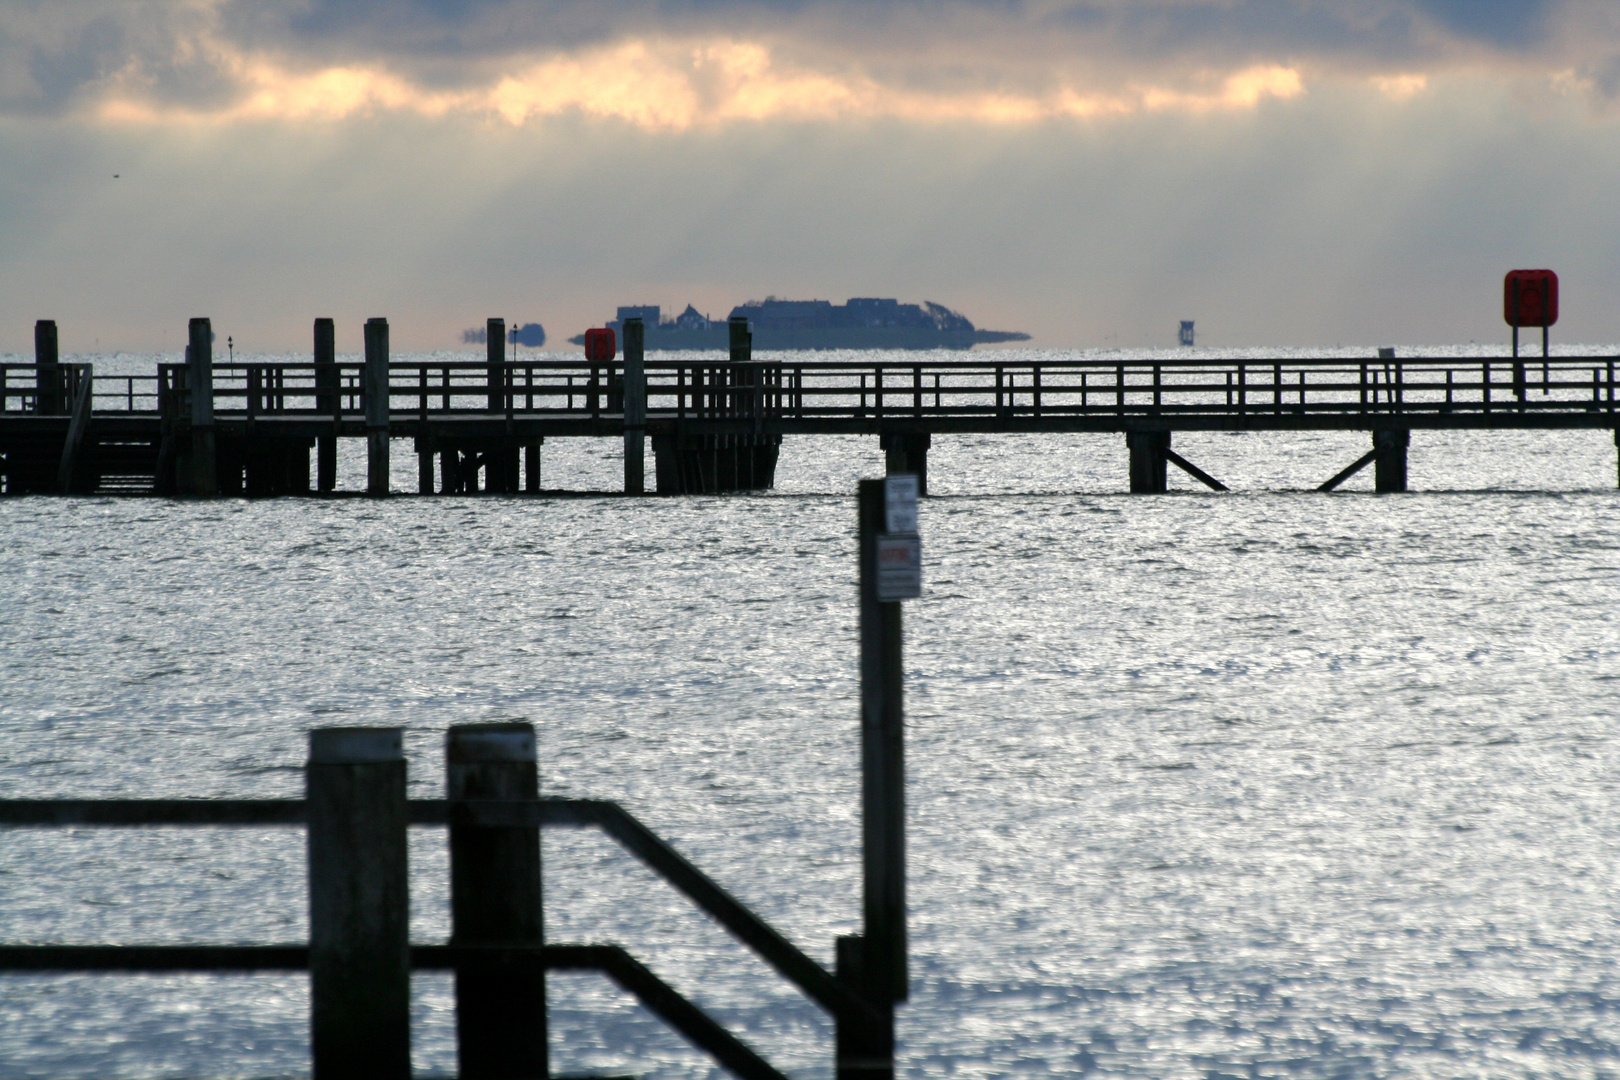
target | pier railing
[
  {"x": 833, "y": 390},
  {"x": 356, "y": 815}
]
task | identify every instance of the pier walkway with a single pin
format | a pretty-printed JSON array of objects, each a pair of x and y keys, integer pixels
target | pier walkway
[{"x": 716, "y": 425}]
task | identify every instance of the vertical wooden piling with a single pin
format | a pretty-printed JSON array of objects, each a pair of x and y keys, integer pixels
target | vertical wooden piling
[
  {"x": 359, "y": 918},
  {"x": 204, "y": 478},
  {"x": 883, "y": 799},
  {"x": 742, "y": 340},
  {"x": 376, "y": 403},
  {"x": 1389, "y": 467},
  {"x": 495, "y": 363},
  {"x": 531, "y": 465},
  {"x": 495, "y": 900},
  {"x": 1148, "y": 461},
  {"x": 907, "y": 452},
  {"x": 327, "y": 389},
  {"x": 635, "y": 407},
  {"x": 48, "y": 369},
  {"x": 863, "y": 1046}
]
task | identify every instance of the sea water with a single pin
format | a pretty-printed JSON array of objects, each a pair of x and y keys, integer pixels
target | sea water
[{"x": 1267, "y": 783}]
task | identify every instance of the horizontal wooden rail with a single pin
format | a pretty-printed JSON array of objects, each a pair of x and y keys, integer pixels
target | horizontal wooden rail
[
  {"x": 658, "y": 996},
  {"x": 775, "y": 949}
]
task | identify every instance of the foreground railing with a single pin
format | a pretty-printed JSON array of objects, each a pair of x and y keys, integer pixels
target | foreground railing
[{"x": 358, "y": 955}]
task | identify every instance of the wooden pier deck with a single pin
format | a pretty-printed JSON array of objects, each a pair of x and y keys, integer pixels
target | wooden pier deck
[{"x": 64, "y": 428}]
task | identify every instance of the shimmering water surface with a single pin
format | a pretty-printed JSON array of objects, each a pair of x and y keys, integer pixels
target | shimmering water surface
[{"x": 1269, "y": 783}]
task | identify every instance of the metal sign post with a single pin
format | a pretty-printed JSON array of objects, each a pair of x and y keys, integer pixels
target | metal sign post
[{"x": 875, "y": 963}]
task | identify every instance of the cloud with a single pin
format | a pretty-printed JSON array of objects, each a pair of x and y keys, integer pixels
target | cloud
[{"x": 675, "y": 64}]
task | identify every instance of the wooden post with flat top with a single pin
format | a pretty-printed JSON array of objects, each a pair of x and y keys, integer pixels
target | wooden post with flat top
[
  {"x": 377, "y": 407},
  {"x": 635, "y": 407},
  {"x": 327, "y": 388},
  {"x": 359, "y": 905},
  {"x": 874, "y": 964},
  {"x": 495, "y": 900},
  {"x": 47, "y": 369},
  {"x": 204, "y": 478}
]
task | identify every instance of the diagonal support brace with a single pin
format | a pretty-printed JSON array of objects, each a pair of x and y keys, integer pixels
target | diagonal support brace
[
  {"x": 1193, "y": 471},
  {"x": 1360, "y": 463}
]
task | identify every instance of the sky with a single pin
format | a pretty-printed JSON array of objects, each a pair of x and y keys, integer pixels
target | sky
[{"x": 1285, "y": 172}]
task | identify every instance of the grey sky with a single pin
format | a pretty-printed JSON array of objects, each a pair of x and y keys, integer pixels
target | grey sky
[{"x": 1283, "y": 171}]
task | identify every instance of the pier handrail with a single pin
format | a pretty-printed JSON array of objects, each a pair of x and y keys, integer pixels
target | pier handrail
[{"x": 786, "y": 958}]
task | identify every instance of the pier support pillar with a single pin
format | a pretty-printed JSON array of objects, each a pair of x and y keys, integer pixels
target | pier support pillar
[
  {"x": 47, "y": 370},
  {"x": 531, "y": 466},
  {"x": 1148, "y": 450},
  {"x": 635, "y": 407},
  {"x": 359, "y": 905},
  {"x": 1389, "y": 467},
  {"x": 495, "y": 900},
  {"x": 327, "y": 390},
  {"x": 376, "y": 403},
  {"x": 907, "y": 452},
  {"x": 203, "y": 474}
]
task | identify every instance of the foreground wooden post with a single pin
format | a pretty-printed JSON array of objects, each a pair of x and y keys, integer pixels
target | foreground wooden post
[
  {"x": 377, "y": 407},
  {"x": 327, "y": 389},
  {"x": 875, "y": 963},
  {"x": 635, "y": 407},
  {"x": 47, "y": 370},
  {"x": 359, "y": 918},
  {"x": 204, "y": 478},
  {"x": 531, "y": 465},
  {"x": 495, "y": 900}
]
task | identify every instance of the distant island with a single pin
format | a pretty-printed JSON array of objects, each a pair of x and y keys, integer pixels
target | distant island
[
  {"x": 530, "y": 335},
  {"x": 862, "y": 323}
]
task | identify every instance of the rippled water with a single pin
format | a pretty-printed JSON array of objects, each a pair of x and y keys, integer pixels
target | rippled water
[{"x": 1261, "y": 784}]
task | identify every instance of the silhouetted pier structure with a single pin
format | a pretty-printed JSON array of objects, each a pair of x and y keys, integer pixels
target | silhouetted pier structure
[{"x": 202, "y": 428}]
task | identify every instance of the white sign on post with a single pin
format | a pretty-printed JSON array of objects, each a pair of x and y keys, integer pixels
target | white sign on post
[
  {"x": 899, "y": 550},
  {"x": 899, "y": 566},
  {"x": 900, "y": 503}
]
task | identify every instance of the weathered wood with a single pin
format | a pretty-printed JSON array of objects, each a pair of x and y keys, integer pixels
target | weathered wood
[
  {"x": 203, "y": 480},
  {"x": 1147, "y": 452},
  {"x": 377, "y": 407},
  {"x": 495, "y": 360},
  {"x": 883, "y": 800},
  {"x": 1354, "y": 467},
  {"x": 907, "y": 452},
  {"x": 1193, "y": 471},
  {"x": 531, "y": 466},
  {"x": 77, "y": 427},
  {"x": 1389, "y": 468},
  {"x": 327, "y": 391},
  {"x": 863, "y": 1041},
  {"x": 495, "y": 900},
  {"x": 359, "y": 905},
  {"x": 47, "y": 372},
  {"x": 635, "y": 407}
]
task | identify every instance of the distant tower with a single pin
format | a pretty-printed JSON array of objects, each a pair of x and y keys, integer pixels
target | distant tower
[{"x": 1187, "y": 332}]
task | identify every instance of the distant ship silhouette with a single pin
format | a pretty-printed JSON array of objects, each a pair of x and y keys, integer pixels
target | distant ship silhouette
[{"x": 862, "y": 323}]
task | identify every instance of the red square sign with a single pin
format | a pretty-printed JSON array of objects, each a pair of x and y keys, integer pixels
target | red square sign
[{"x": 1530, "y": 298}]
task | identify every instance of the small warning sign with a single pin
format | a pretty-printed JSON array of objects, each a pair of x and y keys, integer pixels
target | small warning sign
[{"x": 899, "y": 566}]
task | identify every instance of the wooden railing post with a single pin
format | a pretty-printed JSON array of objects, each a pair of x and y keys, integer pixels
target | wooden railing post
[
  {"x": 326, "y": 404},
  {"x": 635, "y": 407},
  {"x": 204, "y": 478},
  {"x": 377, "y": 407},
  {"x": 359, "y": 919},
  {"x": 495, "y": 900},
  {"x": 47, "y": 369}
]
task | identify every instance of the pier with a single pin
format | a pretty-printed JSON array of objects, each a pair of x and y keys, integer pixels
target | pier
[{"x": 203, "y": 428}]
